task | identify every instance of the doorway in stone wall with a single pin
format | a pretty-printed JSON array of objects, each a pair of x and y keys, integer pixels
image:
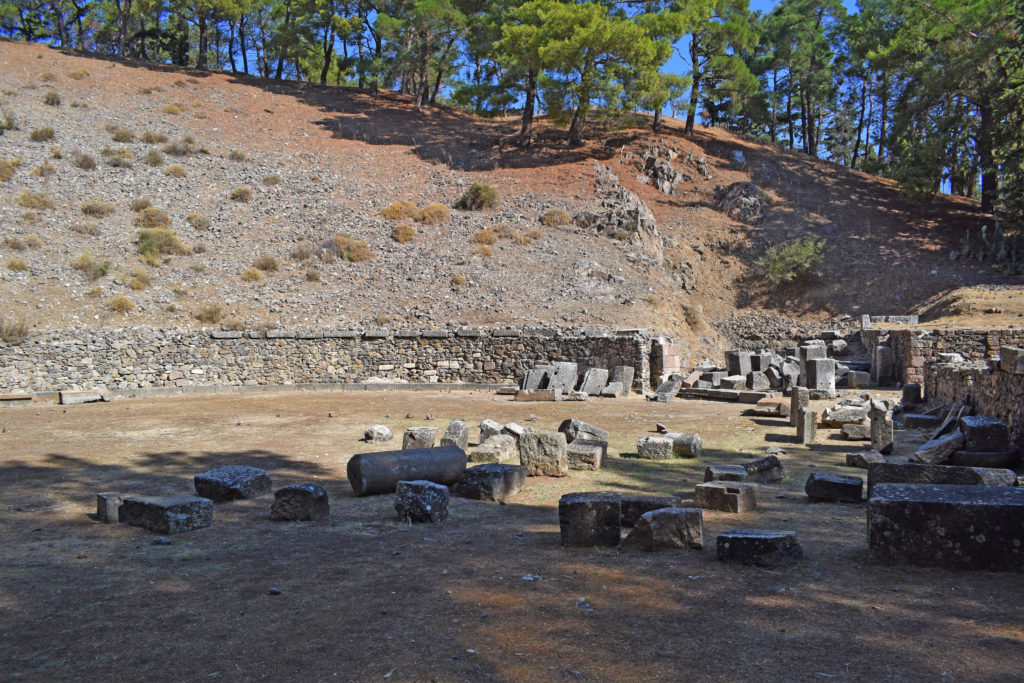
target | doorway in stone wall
[{"x": 657, "y": 362}]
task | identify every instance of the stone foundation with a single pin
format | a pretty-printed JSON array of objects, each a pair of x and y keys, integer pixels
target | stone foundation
[{"x": 993, "y": 391}]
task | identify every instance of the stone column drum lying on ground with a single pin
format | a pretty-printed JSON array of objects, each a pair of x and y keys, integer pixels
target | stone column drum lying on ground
[
  {"x": 301, "y": 502},
  {"x": 168, "y": 514},
  {"x": 760, "y": 547},
  {"x": 421, "y": 502},
  {"x": 232, "y": 482},
  {"x": 686, "y": 445},
  {"x": 654, "y": 447},
  {"x": 590, "y": 519},
  {"x": 374, "y": 473}
]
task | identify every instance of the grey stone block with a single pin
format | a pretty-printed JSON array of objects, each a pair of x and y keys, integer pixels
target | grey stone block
[
  {"x": 948, "y": 475},
  {"x": 938, "y": 450},
  {"x": 594, "y": 381},
  {"x": 864, "y": 458},
  {"x": 724, "y": 496},
  {"x": 654, "y": 447},
  {"x": 1008, "y": 458},
  {"x": 301, "y": 502},
  {"x": 984, "y": 434},
  {"x": 624, "y": 375},
  {"x": 586, "y": 454},
  {"x": 799, "y": 398},
  {"x": 537, "y": 378},
  {"x": 378, "y": 434},
  {"x": 612, "y": 390},
  {"x": 759, "y": 547},
  {"x": 232, "y": 482},
  {"x": 737, "y": 362},
  {"x": 758, "y": 381},
  {"x": 108, "y": 508},
  {"x": 634, "y": 505},
  {"x": 489, "y": 428},
  {"x": 918, "y": 421},
  {"x": 805, "y": 426},
  {"x": 734, "y": 382},
  {"x": 498, "y": 448},
  {"x": 590, "y": 519},
  {"x": 881, "y": 427},
  {"x": 421, "y": 501},
  {"x": 725, "y": 473},
  {"x": 563, "y": 377},
  {"x": 544, "y": 454},
  {"x": 457, "y": 434},
  {"x": 822, "y": 486},
  {"x": 578, "y": 429},
  {"x": 168, "y": 514},
  {"x": 857, "y": 432},
  {"x": 667, "y": 529},
  {"x": 765, "y": 470},
  {"x": 419, "y": 437},
  {"x": 492, "y": 482},
  {"x": 667, "y": 390}
]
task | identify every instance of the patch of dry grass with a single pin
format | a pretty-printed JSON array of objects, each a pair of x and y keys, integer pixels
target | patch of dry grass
[
  {"x": 96, "y": 208},
  {"x": 241, "y": 194},
  {"x": 553, "y": 218},
  {"x": 175, "y": 170},
  {"x": 121, "y": 304},
  {"x": 252, "y": 275},
  {"x": 41, "y": 134},
  {"x": 90, "y": 267},
  {"x": 350, "y": 249},
  {"x": 484, "y": 236},
  {"x": 403, "y": 233},
  {"x": 34, "y": 200}
]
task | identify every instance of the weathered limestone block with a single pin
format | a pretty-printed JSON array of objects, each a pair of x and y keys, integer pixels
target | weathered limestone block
[
  {"x": 590, "y": 519},
  {"x": 938, "y": 451},
  {"x": 856, "y": 432},
  {"x": 1011, "y": 359},
  {"x": 623, "y": 374},
  {"x": 808, "y": 352},
  {"x": 772, "y": 407},
  {"x": 725, "y": 473},
  {"x": 378, "y": 434},
  {"x": 654, "y": 447},
  {"x": 489, "y": 428},
  {"x": 954, "y": 527},
  {"x": 539, "y": 395},
  {"x": 419, "y": 437},
  {"x": 837, "y": 488},
  {"x": 912, "y": 395},
  {"x": 726, "y": 496},
  {"x": 492, "y": 482},
  {"x": 586, "y": 454},
  {"x": 864, "y": 458},
  {"x": 577, "y": 396},
  {"x": 799, "y": 398},
  {"x": 301, "y": 502},
  {"x": 500, "y": 448},
  {"x": 563, "y": 377},
  {"x": 821, "y": 375},
  {"x": 760, "y": 547},
  {"x": 634, "y": 505},
  {"x": 514, "y": 430},
  {"x": 984, "y": 434},
  {"x": 612, "y": 390},
  {"x": 844, "y": 415},
  {"x": 734, "y": 382},
  {"x": 1008, "y": 458},
  {"x": 544, "y": 454},
  {"x": 667, "y": 529},
  {"x": 758, "y": 381},
  {"x": 594, "y": 381},
  {"x": 578, "y": 429},
  {"x": 881, "y": 427},
  {"x": 108, "y": 508},
  {"x": 765, "y": 470},
  {"x": 457, "y": 434},
  {"x": 898, "y": 473},
  {"x": 737, "y": 362},
  {"x": 73, "y": 398},
  {"x": 856, "y": 379},
  {"x": 537, "y": 378},
  {"x": 421, "y": 501},
  {"x": 232, "y": 482},
  {"x": 667, "y": 390},
  {"x": 168, "y": 514},
  {"x": 805, "y": 426}
]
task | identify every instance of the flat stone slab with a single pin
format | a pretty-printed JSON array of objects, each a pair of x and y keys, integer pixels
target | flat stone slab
[
  {"x": 765, "y": 470},
  {"x": 301, "y": 503},
  {"x": 544, "y": 454},
  {"x": 539, "y": 395},
  {"x": 168, "y": 514},
  {"x": 725, "y": 473},
  {"x": 590, "y": 519},
  {"x": 586, "y": 454},
  {"x": 940, "y": 449},
  {"x": 825, "y": 487},
  {"x": 954, "y": 527},
  {"x": 856, "y": 432},
  {"x": 419, "y": 437},
  {"x": 667, "y": 529},
  {"x": 578, "y": 429},
  {"x": 636, "y": 505},
  {"x": 764, "y": 548},
  {"x": 948, "y": 475},
  {"x": 725, "y": 496},
  {"x": 233, "y": 482},
  {"x": 920, "y": 421},
  {"x": 73, "y": 398},
  {"x": 421, "y": 502},
  {"x": 493, "y": 482},
  {"x": 1009, "y": 458},
  {"x": 667, "y": 390}
]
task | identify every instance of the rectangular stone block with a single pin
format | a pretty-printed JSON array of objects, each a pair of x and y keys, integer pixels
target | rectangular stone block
[
  {"x": 108, "y": 508},
  {"x": 594, "y": 380},
  {"x": 954, "y": 527},
  {"x": 766, "y": 469},
  {"x": 563, "y": 377},
  {"x": 539, "y": 395},
  {"x": 1011, "y": 359},
  {"x": 799, "y": 398},
  {"x": 737, "y": 362},
  {"x": 821, "y": 375},
  {"x": 734, "y": 382},
  {"x": 590, "y": 519},
  {"x": 586, "y": 454},
  {"x": 72, "y": 398},
  {"x": 544, "y": 454},
  {"x": 636, "y": 505},
  {"x": 168, "y": 514},
  {"x": 623, "y": 374},
  {"x": 945, "y": 475},
  {"x": 984, "y": 434},
  {"x": 919, "y": 421},
  {"x": 805, "y": 426},
  {"x": 856, "y": 379},
  {"x": 857, "y": 432},
  {"x": 823, "y": 486},
  {"x": 537, "y": 378},
  {"x": 726, "y": 496}
]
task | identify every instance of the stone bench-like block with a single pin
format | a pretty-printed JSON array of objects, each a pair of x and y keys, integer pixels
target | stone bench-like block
[
  {"x": 947, "y": 475},
  {"x": 544, "y": 454},
  {"x": 764, "y": 548},
  {"x": 654, "y": 447},
  {"x": 919, "y": 421},
  {"x": 1008, "y": 458},
  {"x": 667, "y": 529},
  {"x": 725, "y": 473},
  {"x": 765, "y": 470},
  {"x": 232, "y": 482},
  {"x": 586, "y": 454},
  {"x": 421, "y": 501},
  {"x": 954, "y": 527},
  {"x": 301, "y": 502},
  {"x": 168, "y": 514},
  {"x": 856, "y": 432},
  {"x": 418, "y": 437},
  {"x": 724, "y": 496},
  {"x": 492, "y": 482},
  {"x": 636, "y": 505},
  {"x": 590, "y": 519},
  {"x": 822, "y": 486}
]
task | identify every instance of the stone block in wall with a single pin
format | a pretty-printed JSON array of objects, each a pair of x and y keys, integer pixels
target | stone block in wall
[
  {"x": 505, "y": 333},
  {"x": 435, "y": 334},
  {"x": 278, "y": 333},
  {"x": 378, "y": 333},
  {"x": 1011, "y": 359},
  {"x": 225, "y": 334},
  {"x": 470, "y": 333},
  {"x": 406, "y": 334}
]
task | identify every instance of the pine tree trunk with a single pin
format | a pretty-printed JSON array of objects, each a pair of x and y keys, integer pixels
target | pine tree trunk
[
  {"x": 203, "y": 41},
  {"x": 884, "y": 97},
  {"x": 576, "y": 127},
  {"x": 328, "y": 55},
  {"x": 860, "y": 124},
  {"x": 989, "y": 176},
  {"x": 526, "y": 129},
  {"x": 656, "y": 126},
  {"x": 691, "y": 112},
  {"x": 231, "y": 46},
  {"x": 241, "y": 44}
]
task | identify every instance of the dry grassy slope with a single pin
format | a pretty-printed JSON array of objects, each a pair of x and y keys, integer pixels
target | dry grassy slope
[{"x": 342, "y": 156}]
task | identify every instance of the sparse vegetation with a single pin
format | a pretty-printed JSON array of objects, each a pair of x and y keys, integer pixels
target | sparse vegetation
[
  {"x": 95, "y": 292},
  {"x": 153, "y": 137},
  {"x": 505, "y": 232},
  {"x": 479, "y": 196},
  {"x": 34, "y": 200},
  {"x": 241, "y": 194},
  {"x": 141, "y": 203},
  {"x": 16, "y": 265},
  {"x": 403, "y": 233},
  {"x": 85, "y": 162},
  {"x": 121, "y": 304},
  {"x": 252, "y": 275},
  {"x": 312, "y": 275},
  {"x": 13, "y": 331},
  {"x": 43, "y": 170},
  {"x": 382, "y": 319},
  {"x": 7, "y": 168},
  {"x": 303, "y": 251},
  {"x": 91, "y": 229},
  {"x": 153, "y": 243},
  {"x": 51, "y": 98},
  {"x": 174, "y": 108},
  {"x": 96, "y": 208},
  {"x": 401, "y": 211},
  {"x": 793, "y": 261},
  {"x": 553, "y": 218},
  {"x": 47, "y": 77},
  {"x": 483, "y": 250},
  {"x": 534, "y": 234},
  {"x": 175, "y": 170},
  {"x": 119, "y": 134},
  {"x": 233, "y": 324},
  {"x": 458, "y": 281},
  {"x": 139, "y": 279},
  {"x": 154, "y": 157},
  {"x": 41, "y": 134},
  {"x": 90, "y": 267},
  {"x": 351, "y": 249},
  {"x": 484, "y": 236},
  {"x": 198, "y": 220},
  {"x": 180, "y": 148},
  {"x": 210, "y": 314},
  {"x": 434, "y": 214},
  {"x": 153, "y": 218},
  {"x": 272, "y": 179},
  {"x": 78, "y": 74},
  {"x": 268, "y": 264},
  {"x": 237, "y": 155}
]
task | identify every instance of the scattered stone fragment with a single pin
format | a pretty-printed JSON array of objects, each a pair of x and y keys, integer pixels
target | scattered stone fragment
[
  {"x": 168, "y": 514},
  {"x": 492, "y": 482},
  {"x": 514, "y": 430},
  {"x": 577, "y": 396},
  {"x": 378, "y": 434},
  {"x": 457, "y": 434},
  {"x": 232, "y": 482},
  {"x": 660, "y": 428},
  {"x": 758, "y": 381},
  {"x": 842, "y": 415},
  {"x": 938, "y": 451},
  {"x": 919, "y": 421},
  {"x": 578, "y": 429},
  {"x": 864, "y": 458},
  {"x": 667, "y": 390},
  {"x": 725, "y": 473},
  {"x": 421, "y": 501},
  {"x": 612, "y": 390},
  {"x": 108, "y": 508},
  {"x": 489, "y": 428},
  {"x": 72, "y": 398},
  {"x": 775, "y": 450},
  {"x": 734, "y": 382},
  {"x": 301, "y": 502},
  {"x": 765, "y": 470},
  {"x": 539, "y": 395},
  {"x": 667, "y": 529},
  {"x": 726, "y": 496},
  {"x": 759, "y": 547},
  {"x": 654, "y": 447},
  {"x": 822, "y": 486},
  {"x": 590, "y": 519},
  {"x": 500, "y": 448},
  {"x": 544, "y": 454},
  {"x": 586, "y": 454},
  {"x": 899, "y": 473}
]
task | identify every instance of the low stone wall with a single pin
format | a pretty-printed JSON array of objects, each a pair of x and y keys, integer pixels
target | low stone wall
[
  {"x": 913, "y": 350},
  {"x": 143, "y": 357},
  {"x": 993, "y": 392}
]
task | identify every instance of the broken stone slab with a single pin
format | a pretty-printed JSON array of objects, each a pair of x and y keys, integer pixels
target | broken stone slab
[
  {"x": 774, "y": 376},
  {"x": 954, "y": 527},
  {"x": 764, "y": 548},
  {"x": 805, "y": 426},
  {"x": 752, "y": 397},
  {"x": 667, "y": 390},
  {"x": 686, "y": 445},
  {"x": 737, "y": 362},
  {"x": 772, "y": 407},
  {"x": 232, "y": 482},
  {"x": 944, "y": 475},
  {"x": 576, "y": 396},
  {"x": 514, "y": 430},
  {"x": 938, "y": 451},
  {"x": 489, "y": 428},
  {"x": 578, "y": 429},
  {"x": 856, "y": 432},
  {"x": 499, "y": 448},
  {"x": 725, "y": 473},
  {"x": 301, "y": 502},
  {"x": 457, "y": 434},
  {"x": 919, "y": 421},
  {"x": 374, "y": 473},
  {"x": 108, "y": 508},
  {"x": 612, "y": 390},
  {"x": 168, "y": 514},
  {"x": 881, "y": 427},
  {"x": 654, "y": 447},
  {"x": 1011, "y": 359},
  {"x": 544, "y": 454},
  {"x": 491, "y": 482},
  {"x": 586, "y": 454},
  {"x": 837, "y": 417},
  {"x": 714, "y": 377},
  {"x": 590, "y": 519},
  {"x": 857, "y": 379},
  {"x": 758, "y": 381},
  {"x": 378, "y": 434},
  {"x": 421, "y": 501},
  {"x": 539, "y": 395},
  {"x": 734, "y": 382},
  {"x": 864, "y": 458},
  {"x": 799, "y": 398},
  {"x": 594, "y": 381},
  {"x": 537, "y": 378},
  {"x": 691, "y": 380},
  {"x": 984, "y": 434},
  {"x": 419, "y": 437},
  {"x": 836, "y": 488},
  {"x": 73, "y": 398},
  {"x": 725, "y": 496},
  {"x": 634, "y": 505},
  {"x": 1008, "y": 458},
  {"x": 623, "y": 374},
  {"x": 765, "y": 470},
  {"x": 563, "y": 377},
  {"x": 667, "y": 529}
]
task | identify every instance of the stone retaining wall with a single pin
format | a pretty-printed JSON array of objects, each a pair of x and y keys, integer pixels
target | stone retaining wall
[
  {"x": 993, "y": 392},
  {"x": 913, "y": 350},
  {"x": 143, "y": 357}
]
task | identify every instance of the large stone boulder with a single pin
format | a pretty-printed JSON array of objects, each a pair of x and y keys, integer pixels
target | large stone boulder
[
  {"x": 625, "y": 217},
  {"x": 167, "y": 514},
  {"x": 421, "y": 501},
  {"x": 378, "y": 434},
  {"x": 667, "y": 529},
  {"x": 544, "y": 454},
  {"x": 742, "y": 201},
  {"x": 300, "y": 502},
  {"x": 590, "y": 519},
  {"x": 232, "y": 482},
  {"x": 419, "y": 437},
  {"x": 491, "y": 482}
]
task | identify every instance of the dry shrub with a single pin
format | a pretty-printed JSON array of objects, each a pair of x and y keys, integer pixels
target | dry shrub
[
  {"x": 141, "y": 203},
  {"x": 78, "y": 74},
  {"x": 155, "y": 242},
  {"x": 179, "y": 83},
  {"x": 312, "y": 275},
  {"x": 174, "y": 108},
  {"x": 85, "y": 162},
  {"x": 176, "y": 170},
  {"x": 252, "y": 275},
  {"x": 241, "y": 194},
  {"x": 303, "y": 251},
  {"x": 139, "y": 279},
  {"x": 119, "y": 134},
  {"x": 434, "y": 214},
  {"x": 43, "y": 170},
  {"x": 56, "y": 153},
  {"x": 96, "y": 208},
  {"x": 401, "y": 211},
  {"x": 484, "y": 236},
  {"x": 233, "y": 325},
  {"x": 91, "y": 229},
  {"x": 51, "y": 98},
  {"x": 266, "y": 263},
  {"x": 121, "y": 304},
  {"x": 29, "y": 218},
  {"x": 351, "y": 249},
  {"x": 382, "y": 319},
  {"x": 153, "y": 137},
  {"x": 7, "y": 168},
  {"x": 483, "y": 250},
  {"x": 198, "y": 220},
  {"x": 522, "y": 240},
  {"x": 34, "y": 200},
  {"x": 403, "y": 233},
  {"x": 13, "y": 243},
  {"x": 505, "y": 232},
  {"x": 553, "y": 218},
  {"x": 95, "y": 292},
  {"x": 237, "y": 155},
  {"x": 479, "y": 196},
  {"x": 91, "y": 268},
  {"x": 13, "y": 331},
  {"x": 695, "y": 317},
  {"x": 47, "y": 77},
  {"x": 210, "y": 313},
  {"x": 32, "y": 241},
  {"x": 16, "y": 265},
  {"x": 272, "y": 179},
  {"x": 458, "y": 280},
  {"x": 180, "y": 148},
  {"x": 534, "y": 234},
  {"x": 41, "y": 134},
  {"x": 154, "y": 157}
]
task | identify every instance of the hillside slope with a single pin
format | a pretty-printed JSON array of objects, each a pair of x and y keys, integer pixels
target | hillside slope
[{"x": 325, "y": 161}]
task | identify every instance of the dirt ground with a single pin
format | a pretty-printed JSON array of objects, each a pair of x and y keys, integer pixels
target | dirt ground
[{"x": 363, "y": 597}]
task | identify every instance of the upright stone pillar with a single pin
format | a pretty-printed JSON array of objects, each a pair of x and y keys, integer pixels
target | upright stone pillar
[
  {"x": 881, "y": 427},
  {"x": 798, "y": 399}
]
